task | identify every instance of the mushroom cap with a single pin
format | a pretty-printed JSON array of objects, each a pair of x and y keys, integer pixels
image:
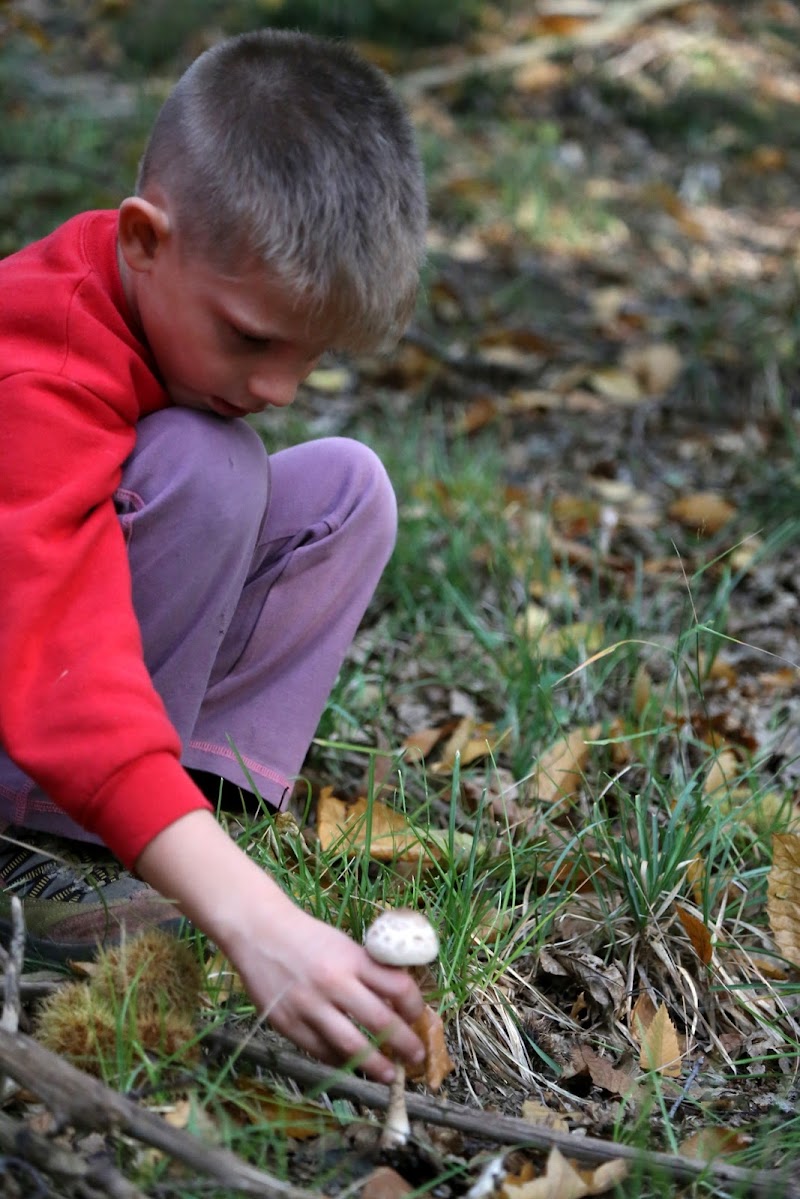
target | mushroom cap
[{"x": 402, "y": 937}]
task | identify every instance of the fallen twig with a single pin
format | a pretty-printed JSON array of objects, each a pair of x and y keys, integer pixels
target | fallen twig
[
  {"x": 617, "y": 18},
  {"x": 58, "y": 1162},
  {"x": 85, "y": 1102},
  {"x": 507, "y": 1130},
  {"x": 12, "y": 961},
  {"x": 472, "y": 365}
]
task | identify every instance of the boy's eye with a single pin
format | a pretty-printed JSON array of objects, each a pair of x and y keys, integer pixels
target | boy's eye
[{"x": 250, "y": 339}]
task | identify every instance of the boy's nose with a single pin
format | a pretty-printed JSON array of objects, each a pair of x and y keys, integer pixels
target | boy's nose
[{"x": 273, "y": 387}]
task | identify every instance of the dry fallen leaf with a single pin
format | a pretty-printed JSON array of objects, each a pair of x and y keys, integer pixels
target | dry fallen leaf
[
  {"x": 385, "y": 1183},
  {"x": 559, "y": 772},
  {"x": 697, "y": 933},
  {"x": 656, "y": 366},
  {"x": 617, "y": 384},
  {"x": 469, "y": 742},
  {"x": 710, "y": 1142},
  {"x": 260, "y": 1103},
  {"x": 545, "y": 1117},
  {"x": 562, "y": 1179},
  {"x": 783, "y": 895},
  {"x": 722, "y": 772},
  {"x": 602, "y": 1072},
  {"x": 362, "y": 827},
  {"x": 438, "y": 1063},
  {"x": 660, "y": 1050},
  {"x": 643, "y": 1013},
  {"x": 705, "y": 512}
]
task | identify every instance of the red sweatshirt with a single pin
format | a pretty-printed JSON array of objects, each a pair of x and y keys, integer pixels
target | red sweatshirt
[{"x": 78, "y": 711}]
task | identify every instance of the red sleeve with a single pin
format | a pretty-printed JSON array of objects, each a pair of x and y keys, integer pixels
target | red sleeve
[{"x": 78, "y": 711}]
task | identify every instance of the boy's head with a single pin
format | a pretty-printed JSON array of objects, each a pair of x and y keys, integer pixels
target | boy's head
[{"x": 288, "y": 152}]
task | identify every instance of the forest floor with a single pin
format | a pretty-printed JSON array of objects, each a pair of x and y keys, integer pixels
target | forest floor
[{"x": 572, "y": 712}]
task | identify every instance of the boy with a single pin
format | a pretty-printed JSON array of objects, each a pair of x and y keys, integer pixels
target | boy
[{"x": 169, "y": 591}]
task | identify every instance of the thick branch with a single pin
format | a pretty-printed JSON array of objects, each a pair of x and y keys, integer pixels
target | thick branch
[
  {"x": 507, "y": 1130},
  {"x": 617, "y": 19}
]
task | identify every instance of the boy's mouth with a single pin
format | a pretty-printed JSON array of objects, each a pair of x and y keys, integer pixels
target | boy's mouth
[{"x": 223, "y": 408}]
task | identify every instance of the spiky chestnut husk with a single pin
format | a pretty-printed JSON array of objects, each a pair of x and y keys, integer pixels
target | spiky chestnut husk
[
  {"x": 162, "y": 972},
  {"x": 75, "y": 1024},
  {"x": 170, "y": 1035}
]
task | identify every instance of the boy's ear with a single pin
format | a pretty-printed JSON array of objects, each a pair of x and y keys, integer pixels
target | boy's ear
[{"x": 144, "y": 229}]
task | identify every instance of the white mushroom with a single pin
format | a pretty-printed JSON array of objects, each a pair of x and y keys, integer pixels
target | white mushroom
[{"x": 400, "y": 937}]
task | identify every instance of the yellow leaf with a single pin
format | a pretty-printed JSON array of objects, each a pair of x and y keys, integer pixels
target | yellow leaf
[
  {"x": 705, "y": 512},
  {"x": 532, "y": 622},
  {"x": 330, "y": 380},
  {"x": 563, "y": 1180},
  {"x": 724, "y": 769},
  {"x": 559, "y": 771},
  {"x": 642, "y": 689},
  {"x": 345, "y": 828},
  {"x": 655, "y": 366},
  {"x": 618, "y": 384},
  {"x": 469, "y": 741},
  {"x": 545, "y": 1117},
  {"x": 783, "y": 895},
  {"x": 660, "y": 1050},
  {"x": 555, "y": 642}
]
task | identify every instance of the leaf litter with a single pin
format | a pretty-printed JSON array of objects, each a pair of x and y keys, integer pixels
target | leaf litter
[{"x": 598, "y": 384}]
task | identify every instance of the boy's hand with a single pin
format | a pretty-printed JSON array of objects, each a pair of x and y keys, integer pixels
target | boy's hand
[{"x": 313, "y": 983}]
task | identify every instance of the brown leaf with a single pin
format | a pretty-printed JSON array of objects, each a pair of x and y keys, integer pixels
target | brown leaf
[
  {"x": 697, "y": 933},
  {"x": 710, "y": 1142},
  {"x": 643, "y": 1014},
  {"x": 601, "y": 1071},
  {"x": 559, "y": 772},
  {"x": 660, "y": 1050},
  {"x": 260, "y": 1103},
  {"x": 478, "y": 415},
  {"x": 419, "y": 744},
  {"x": 705, "y": 512},
  {"x": 438, "y": 1063},
  {"x": 385, "y": 1183},
  {"x": 545, "y": 1117},
  {"x": 386, "y": 834},
  {"x": 656, "y": 366},
  {"x": 783, "y": 895},
  {"x": 470, "y": 741},
  {"x": 562, "y": 1179}
]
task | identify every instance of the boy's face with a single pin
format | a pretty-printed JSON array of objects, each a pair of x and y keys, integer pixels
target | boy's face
[{"x": 232, "y": 344}]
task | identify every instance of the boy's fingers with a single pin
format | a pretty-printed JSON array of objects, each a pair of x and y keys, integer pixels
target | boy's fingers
[
  {"x": 400, "y": 989},
  {"x": 350, "y": 1045}
]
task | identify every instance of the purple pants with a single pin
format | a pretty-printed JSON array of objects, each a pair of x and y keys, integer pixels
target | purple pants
[{"x": 250, "y": 576}]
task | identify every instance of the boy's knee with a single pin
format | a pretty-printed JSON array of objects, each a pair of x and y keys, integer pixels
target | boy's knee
[
  {"x": 371, "y": 494},
  {"x": 204, "y": 463}
]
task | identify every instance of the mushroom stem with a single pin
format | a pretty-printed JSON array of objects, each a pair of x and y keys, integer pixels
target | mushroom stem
[{"x": 397, "y": 1129}]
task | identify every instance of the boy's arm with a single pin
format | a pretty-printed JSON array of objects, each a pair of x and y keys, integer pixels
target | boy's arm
[{"x": 313, "y": 983}]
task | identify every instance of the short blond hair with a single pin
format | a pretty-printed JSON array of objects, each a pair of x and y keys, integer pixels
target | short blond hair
[{"x": 291, "y": 149}]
